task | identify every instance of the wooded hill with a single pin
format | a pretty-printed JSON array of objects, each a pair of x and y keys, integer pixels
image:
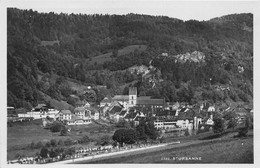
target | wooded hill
[{"x": 47, "y": 52}]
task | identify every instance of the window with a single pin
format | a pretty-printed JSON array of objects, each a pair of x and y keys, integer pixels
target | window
[
  {"x": 132, "y": 97},
  {"x": 132, "y": 102}
]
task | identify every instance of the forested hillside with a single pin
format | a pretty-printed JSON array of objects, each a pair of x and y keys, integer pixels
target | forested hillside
[{"x": 50, "y": 53}]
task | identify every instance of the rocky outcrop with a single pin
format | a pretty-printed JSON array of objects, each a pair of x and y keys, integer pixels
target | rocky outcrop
[{"x": 195, "y": 56}]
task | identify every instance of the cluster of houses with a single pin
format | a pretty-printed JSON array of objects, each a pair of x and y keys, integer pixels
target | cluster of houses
[
  {"x": 82, "y": 114},
  {"x": 132, "y": 108},
  {"x": 166, "y": 115}
]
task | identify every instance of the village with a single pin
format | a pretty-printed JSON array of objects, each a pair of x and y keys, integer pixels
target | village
[
  {"x": 167, "y": 116},
  {"x": 170, "y": 119}
]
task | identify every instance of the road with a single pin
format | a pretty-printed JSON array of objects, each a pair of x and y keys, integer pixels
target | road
[{"x": 115, "y": 153}]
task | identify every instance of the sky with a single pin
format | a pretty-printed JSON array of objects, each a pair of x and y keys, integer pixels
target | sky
[{"x": 185, "y": 10}]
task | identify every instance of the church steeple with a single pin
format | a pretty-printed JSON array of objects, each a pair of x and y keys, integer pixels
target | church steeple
[{"x": 132, "y": 96}]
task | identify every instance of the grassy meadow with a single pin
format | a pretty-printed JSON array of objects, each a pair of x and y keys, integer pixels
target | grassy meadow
[
  {"x": 21, "y": 135},
  {"x": 226, "y": 149},
  {"x": 100, "y": 59}
]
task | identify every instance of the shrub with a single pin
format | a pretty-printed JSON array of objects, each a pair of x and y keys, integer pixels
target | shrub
[
  {"x": 122, "y": 123},
  {"x": 70, "y": 151},
  {"x": 56, "y": 127},
  {"x": 18, "y": 156},
  {"x": 44, "y": 152},
  {"x": 60, "y": 142},
  {"x": 218, "y": 126},
  {"x": 32, "y": 145},
  {"x": 242, "y": 131},
  {"x": 53, "y": 153},
  {"x": 186, "y": 133},
  {"x": 59, "y": 150},
  {"x": 104, "y": 140},
  {"x": 39, "y": 145},
  {"x": 68, "y": 142},
  {"x": 205, "y": 129},
  {"x": 84, "y": 139},
  {"x": 161, "y": 139},
  {"x": 53, "y": 142},
  {"x": 47, "y": 144},
  {"x": 63, "y": 131}
]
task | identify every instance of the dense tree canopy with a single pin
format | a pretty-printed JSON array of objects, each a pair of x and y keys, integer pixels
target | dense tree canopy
[
  {"x": 42, "y": 46},
  {"x": 127, "y": 136}
]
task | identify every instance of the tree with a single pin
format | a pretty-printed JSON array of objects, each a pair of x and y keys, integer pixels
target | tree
[
  {"x": 151, "y": 131},
  {"x": 140, "y": 130},
  {"x": 56, "y": 127},
  {"x": 39, "y": 145},
  {"x": 122, "y": 123},
  {"x": 53, "y": 153},
  {"x": 44, "y": 152},
  {"x": 70, "y": 151},
  {"x": 47, "y": 144},
  {"x": 72, "y": 101},
  {"x": 60, "y": 143},
  {"x": 246, "y": 123},
  {"x": 84, "y": 139},
  {"x": 218, "y": 126},
  {"x": 68, "y": 142},
  {"x": 127, "y": 136},
  {"x": 53, "y": 142},
  {"x": 146, "y": 130},
  {"x": 104, "y": 140},
  {"x": 63, "y": 131},
  {"x": 231, "y": 117}
]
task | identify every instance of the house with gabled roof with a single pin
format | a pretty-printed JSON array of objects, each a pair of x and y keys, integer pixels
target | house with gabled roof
[
  {"x": 121, "y": 99},
  {"x": 152, "y": 103},
  {"x": 114, "y": 113},
  {"x": 103, "y": 110},
  {"x": 83, "y": 113},
  {"x": 65, "y": 115},
  {"x": 181, "y": 110},
  {"x": 80, "y": 111},
  {"x": 172, "y": 105},
  {"x": 93, "y": 113},
  {"x": 78, "y": 120},
  {"x": 189, "y": 118},
  {"x": 123, "y": 113},
  {"x": 106, "y": 101},
  {"x": 82, "y": 103},
  {"x": 131, "y": 116},
  {"x": 165, "y": 114}
]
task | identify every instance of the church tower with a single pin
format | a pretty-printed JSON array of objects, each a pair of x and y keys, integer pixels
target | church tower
[{"x": 132, "y": 96}]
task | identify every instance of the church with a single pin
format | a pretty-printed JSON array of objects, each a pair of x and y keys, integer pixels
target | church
[{"x": 132, "y": 100}]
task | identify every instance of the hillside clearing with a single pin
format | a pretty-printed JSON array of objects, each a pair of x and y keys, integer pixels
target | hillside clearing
[{"x": 100, "y": 59}]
